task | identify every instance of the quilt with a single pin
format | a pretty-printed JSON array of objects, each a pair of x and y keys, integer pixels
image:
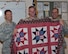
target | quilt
[{"x": 36, "y": 38}]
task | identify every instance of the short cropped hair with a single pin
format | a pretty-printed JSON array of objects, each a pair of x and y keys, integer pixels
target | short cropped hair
[
  {"x": 7, "y": 11},
  {"x": 32, "y": 7},
  {"x": 56, "y": 9}
]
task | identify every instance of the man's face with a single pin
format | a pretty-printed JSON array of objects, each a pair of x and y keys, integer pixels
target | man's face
[
  {"x": 54, "y": 13},
  {"x": 32, "y": 12},
  {"x": 8, "y": 16}
]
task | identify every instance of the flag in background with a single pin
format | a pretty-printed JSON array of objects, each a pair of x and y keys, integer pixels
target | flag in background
[{"x": 35, "y": 4}]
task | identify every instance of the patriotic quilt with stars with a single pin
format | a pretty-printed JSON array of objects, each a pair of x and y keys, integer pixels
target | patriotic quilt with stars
[{"x": 37, "y": 38}]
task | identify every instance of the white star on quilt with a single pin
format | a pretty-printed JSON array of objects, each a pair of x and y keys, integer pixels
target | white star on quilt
[
  {"x": 21, "y": 37},
  {"x": 56, "y": 34},
  {"x": 39, "y": 35},
  {"x": 40, "y": 52}
]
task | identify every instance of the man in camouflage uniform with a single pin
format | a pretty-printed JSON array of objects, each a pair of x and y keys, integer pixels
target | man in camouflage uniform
[
  {"x": 55, "y": 17},
  {"x": 6, "y": 32}
]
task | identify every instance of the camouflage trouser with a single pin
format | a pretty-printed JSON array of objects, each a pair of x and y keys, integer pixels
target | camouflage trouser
[
  {"x": 6, "y": 51},
  {"x": 62, "y": 50}
]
